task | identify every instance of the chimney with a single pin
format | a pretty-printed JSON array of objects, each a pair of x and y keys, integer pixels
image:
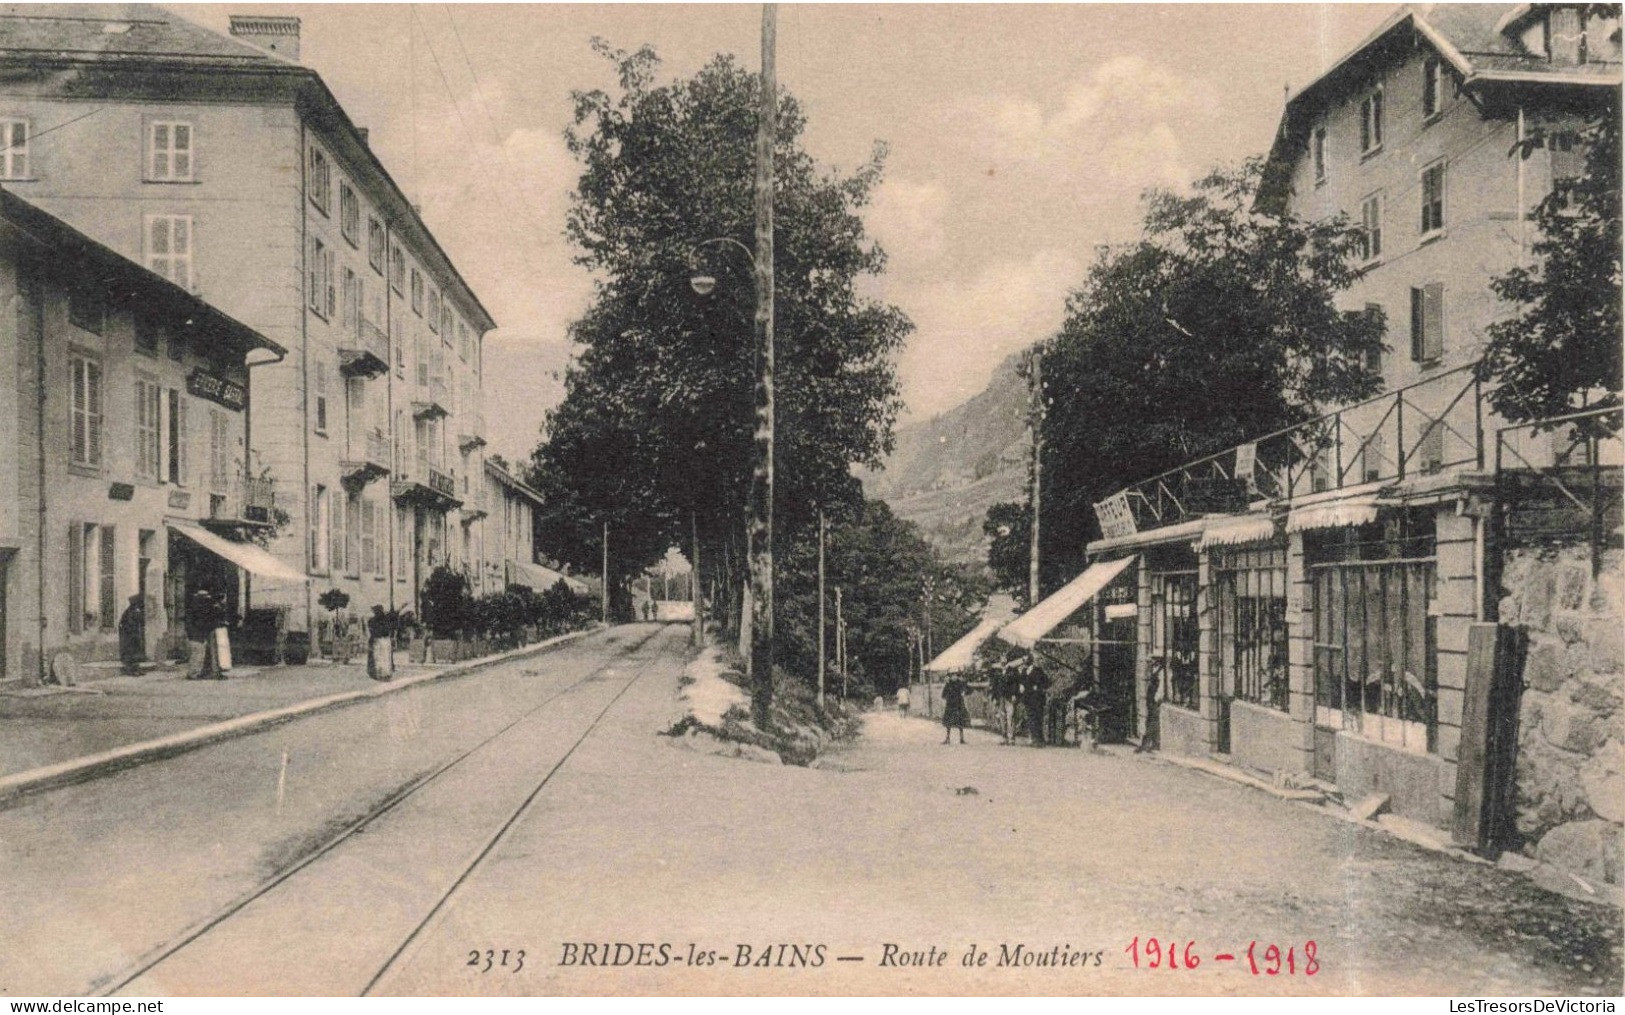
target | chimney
[{"x": 279, "y": 35}]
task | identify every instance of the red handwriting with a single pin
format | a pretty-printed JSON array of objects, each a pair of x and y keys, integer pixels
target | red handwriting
[{"x": 1263, "y": 958}]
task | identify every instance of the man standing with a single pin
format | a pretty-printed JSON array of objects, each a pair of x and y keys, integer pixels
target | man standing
[
  {"x": 208, "y": 615},
  {"x": 132, "y": 636}
]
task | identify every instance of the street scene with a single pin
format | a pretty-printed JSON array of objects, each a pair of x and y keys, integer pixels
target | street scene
[{"x": 811, "y": 500}]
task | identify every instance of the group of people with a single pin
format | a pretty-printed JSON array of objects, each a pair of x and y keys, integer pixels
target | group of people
[{"x": 1020, "y": 683}]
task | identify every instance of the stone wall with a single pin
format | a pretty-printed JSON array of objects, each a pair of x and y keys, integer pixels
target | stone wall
[{"x": 1571, "y": 737}]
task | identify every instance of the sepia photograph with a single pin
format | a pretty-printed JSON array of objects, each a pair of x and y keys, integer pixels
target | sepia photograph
[{"x": 805, "y": 500}]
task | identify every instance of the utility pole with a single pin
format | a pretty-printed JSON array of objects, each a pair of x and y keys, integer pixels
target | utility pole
[
  {"x": 759, "y": 532},
  {"x": 605, "y": 596},
  {"x": 821, "y": 533},
  {"x": 1035, "y": 416},
  {"x": 840, "y": 642}
]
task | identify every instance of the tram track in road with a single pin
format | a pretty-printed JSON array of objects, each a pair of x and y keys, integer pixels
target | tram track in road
[{"x": 220, "y": 918}]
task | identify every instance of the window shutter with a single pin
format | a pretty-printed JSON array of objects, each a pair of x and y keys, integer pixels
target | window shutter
[
  {"x": 1433, "y": 321},
  {"x": 335, "y": 533},
  {"x": 1418, "y": 323},
  {"x": 76, "y": 577},
  {"x": 352, "y": 535},
  {"x": 109, "y": 607},
  {"x": 80, "y": 413}
]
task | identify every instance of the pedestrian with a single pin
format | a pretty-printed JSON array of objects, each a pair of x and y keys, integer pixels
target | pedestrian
[
  {"x": 381, "y": 645},
  {"x": 902, "y": 700},
  {"x": 1036, "y": 686},
  {"x": 132, "y": 636},
  {"x": 207, "y": 614},
  {"x": 954, "y": 713},
  {"x": 1002, "y": 688}
]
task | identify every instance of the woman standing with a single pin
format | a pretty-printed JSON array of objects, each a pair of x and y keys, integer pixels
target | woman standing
[{"x": 954, "y": 713}]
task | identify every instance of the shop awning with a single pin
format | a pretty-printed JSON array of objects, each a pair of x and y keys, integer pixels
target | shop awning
[
  {"x": 543, "y": 578},
  {"x": 1031, "y": 627},
  {"x": 1336, "y": 514},
  {"x": 961, "y": 655},
  {"x": 1234, "y": 530},
  {"x": 245, "y": 555}
]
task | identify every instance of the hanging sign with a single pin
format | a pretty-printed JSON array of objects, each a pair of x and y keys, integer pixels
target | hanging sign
[
  {"x": 1246, "y": 463},
  {"x": 217, "y": 389},
  {"x": 1116, "y": 520}
]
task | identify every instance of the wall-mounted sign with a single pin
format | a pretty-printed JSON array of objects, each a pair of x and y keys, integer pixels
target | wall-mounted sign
[
  {"x": 121, "y": 491},
  {"x": 217, "y": 389},
  {"x": 1247, "y": 466},
  {"x": 180, "y": 500},
  {"x": 1116, "y": 520}
]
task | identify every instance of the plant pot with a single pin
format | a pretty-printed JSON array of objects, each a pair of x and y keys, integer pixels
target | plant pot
[
  {"x": 417, "y": 650},
  {"x": 296, "y": 650},
  {"x": 444, "y": 649}
]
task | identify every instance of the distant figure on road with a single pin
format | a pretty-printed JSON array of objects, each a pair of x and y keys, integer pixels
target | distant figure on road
[
  {"x": 902, "y": 700},
  {"x": 380, "y": 645},
  {"x": 1036, "y": 691},
  {"x": 132, "y": 636},
  {"x": 649, "y": 610},
  {"x": 954, "y": 713},
  {"x": 1002, "y": 688}
]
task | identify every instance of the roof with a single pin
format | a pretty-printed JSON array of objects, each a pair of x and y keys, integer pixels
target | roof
[
  {"x": 122, "y": 276},
  {"x": 543, "y": 578},
  {"x": 513, "y": 482},
  {"x": 145, "y": 36},
  {"x": 1031, "y": 627},
  {"x": 961, "y": 655},
  {"x": 1478, "y": 41}
]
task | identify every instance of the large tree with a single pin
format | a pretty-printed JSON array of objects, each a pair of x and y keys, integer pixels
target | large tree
[
  {"x": 655, "y": 431},
  {"x": 1563, "y": 349},
  {"x": 1218, "y": 326}
]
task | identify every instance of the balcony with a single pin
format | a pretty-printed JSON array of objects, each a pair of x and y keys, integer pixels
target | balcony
[
  {"x": 1424, "y": 434},
  {"x": 367, "y": 461},
  {"x": 364, "y": 352},
  {"x": 475, "y": 505},
  {"x": 473, "y": 432},
  {"x": 432, "y": 400},
  {"x": 426, "y": 486},
  {"x": 246, "y": 505}
]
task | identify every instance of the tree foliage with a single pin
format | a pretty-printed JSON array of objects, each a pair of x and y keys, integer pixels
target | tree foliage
[
  {"x": 1563, "y": 346},
  {"x": 1218, "y": 326},
  {"x": 1008, "y": 527},
  {"x": 657, "y": 421}
]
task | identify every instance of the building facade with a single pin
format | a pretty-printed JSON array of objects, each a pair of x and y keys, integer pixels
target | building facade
[
  {"x": 1320, "y": 604},
  {"x": 227, "y": 167},
  {"x": 125, "y": 399}
]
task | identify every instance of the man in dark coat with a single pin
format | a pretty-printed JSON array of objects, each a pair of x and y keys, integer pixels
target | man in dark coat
[
  {"x": 132, "y": 636},
  {"x": 1036, "y": 686},
  {"x": 954, "y": 713},
  {"x": 207, "y": 614}
]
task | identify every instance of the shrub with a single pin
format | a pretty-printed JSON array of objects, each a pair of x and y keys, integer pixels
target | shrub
[{"x": 447, "y": 604}]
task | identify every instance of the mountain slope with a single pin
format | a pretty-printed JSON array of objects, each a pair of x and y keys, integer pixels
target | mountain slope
[{"x": 948, "y": 470}]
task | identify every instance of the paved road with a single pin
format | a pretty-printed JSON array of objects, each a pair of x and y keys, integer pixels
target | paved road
[{"x": 633, "y": 840}]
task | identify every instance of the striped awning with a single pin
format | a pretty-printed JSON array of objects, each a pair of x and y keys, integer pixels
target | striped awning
[
  {"x": 1031, "y": 627},
  {"x": 1234, "y": 530},
  {"x": 1335, "y": 514}
]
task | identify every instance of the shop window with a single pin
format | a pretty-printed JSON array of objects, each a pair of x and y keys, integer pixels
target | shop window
[
  {"x": 1174, "y": 637},
  {"x": 1252, "y": 634}
]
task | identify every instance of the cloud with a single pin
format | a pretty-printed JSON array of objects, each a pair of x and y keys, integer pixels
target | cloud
[{"x": 907, "y": 218}]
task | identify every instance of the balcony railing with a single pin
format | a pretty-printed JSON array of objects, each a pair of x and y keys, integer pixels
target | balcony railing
[
  {"x": 245, "y": 501},
  {"x": 1560, "y": 478},
  {"x": 427, "y": 485},
  {"x": 364, "y": 352},
  {"x": 432, "y": 399},
  {"x": 369, "y": 459},
  {"x": 1433, "y": 426},
  {"x": 441, "y": 482}
]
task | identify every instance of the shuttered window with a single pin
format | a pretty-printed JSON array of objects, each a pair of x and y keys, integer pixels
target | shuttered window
[
  {"x": 1427, "y": 322},
  {"x": 219, "y": 452},
  {"x": 148, "y": 415},
  {"x": 86, "y": 411},
  {"x": 76, "y": 577},
  {"x": 107, "y": 599},
  {"x": 370, "y": 558},
  {"x": 352, "y": 536},
  {"x": 1432, "y": 198},
  {"x": 177, "y": 437}
]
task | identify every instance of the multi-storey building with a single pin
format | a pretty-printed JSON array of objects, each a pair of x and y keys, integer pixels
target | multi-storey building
[
  {"x": 222, "y": 164},
  {"x": 123, "y": 409},
  {"x": 504, "y": 543},
  {"x": 1304, "y": 604}
]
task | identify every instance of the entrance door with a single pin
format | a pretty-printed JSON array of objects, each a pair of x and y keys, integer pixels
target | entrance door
[{"x": 1115, "y": 652}]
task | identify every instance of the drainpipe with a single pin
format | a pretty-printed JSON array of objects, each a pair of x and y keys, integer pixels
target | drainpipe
[
  {"x": 304, "y": 357},
  {"x": 389, "y": 406},
  {"x": 36, "y": 321}
]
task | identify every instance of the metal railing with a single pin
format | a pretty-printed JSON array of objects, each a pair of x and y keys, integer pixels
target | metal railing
[
  {"x": 441, "y": 482},
  {"x": 1432, "y": 426},
  {"x": 1560, "y": 478},
  {"x": 374, "y": 340},
  {"x": 246, "y": 498}
]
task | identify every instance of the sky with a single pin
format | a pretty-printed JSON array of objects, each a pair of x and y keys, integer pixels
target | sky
[{"x": 1020, "y": 139}]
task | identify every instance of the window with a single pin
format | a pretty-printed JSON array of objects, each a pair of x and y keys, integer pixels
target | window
[
  {"x": 146, "y": 335},
  {"x": 169, "y": 151},
  {"x": 169, "y": 247},
  {"x": 446, "y": 333},
  {"x": 14, "y": 133},
  {"x": 352, "y": 536},
  {"x": 1371, "y": 122},
  {"x": 319, "y": 526},
  {"x": 403, "y": 542},
  {"x": 85, "y": 411},
  {"x": 462, "y": 340},
  {"x": 434, "y": 311},
  {"x": 1432, "y": 88},
  {"x": 1427, "y": 322},
  {"x": 1252, "y": 635},
  {"x": 219, "y": 452},
  {"x": 1317, "y": 152},
  {"x": 397, "y": 269},
  {"x": 320, "y": 182},
  {"x": 421, "y": 354},
  {"x": 1567, "y": 165},
  {"x": 319, "y": 279},
  {"x": 91, "y": 575},
  {"x": 1371, "y": 228},
  {"x": 350, "y": 300},
  {"x": 177, "y": 346},
  {"x": 321, "y": 397},
  {"x": 1174, "y": 636},
  {"x": 1373, "y": 356},
  {"x": 396, "y": 339},
  {"x": 1433, "y": 198},
  {"x": 417, "y": 293},
  {"x": 371, "y": 560},
  {"x": 375, "y": 244},
  {"x": 87, "y": 310},
  {"x": 177, "y": 438},
  {"x": 349, "y": 215},
  {"x": 335, "y": 531},
  {"x": 149, "y": 403}
]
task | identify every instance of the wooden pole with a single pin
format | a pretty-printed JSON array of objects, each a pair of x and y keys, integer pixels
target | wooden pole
[
  {"x": 759, "y": 534},
  {"x": 605, "y": 596},
  {"x": 840, "y": 642},
  {"x": 694, "y": 591},
  {"x": 1036, "y": 423},
  {"x": 822, "y": 530}
]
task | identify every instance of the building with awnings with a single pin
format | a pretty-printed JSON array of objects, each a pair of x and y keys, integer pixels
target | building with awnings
[
  {"x": 1307, "y": 602},
  {"x": 124, "y": 400},
  {"x": 502, "y": 538}
]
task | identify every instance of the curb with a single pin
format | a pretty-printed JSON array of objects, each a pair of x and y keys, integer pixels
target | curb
[{"x": 76, "y": 770}]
